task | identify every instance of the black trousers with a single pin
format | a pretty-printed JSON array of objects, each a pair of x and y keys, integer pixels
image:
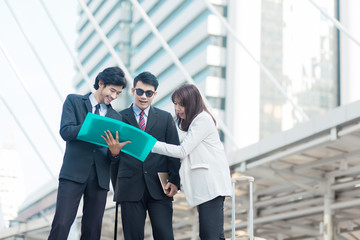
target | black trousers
[
  {"x": 133, "y": 216},
  {"x": 211, "y": 219},
  {"x": 67, "y": 203}
]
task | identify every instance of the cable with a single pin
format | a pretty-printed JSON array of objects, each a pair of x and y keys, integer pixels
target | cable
[
  {"x": 105, "y": 39},
  {"x": 177, "y": 62},
  {"x": 337, "y": 24},
  {"x": 13, "y": 67},
  {"x": 77, "y": 62},
  {"x": 28, "y": 138},
  {"x": 35, "y": 52},
  {"x": 262, "y": 67}
]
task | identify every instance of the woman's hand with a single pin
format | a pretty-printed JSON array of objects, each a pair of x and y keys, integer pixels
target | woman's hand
[{"x": 113, "y": 143}]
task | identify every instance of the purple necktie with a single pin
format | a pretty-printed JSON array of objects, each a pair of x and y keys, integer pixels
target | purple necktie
[{"x": 142, "y": 121}]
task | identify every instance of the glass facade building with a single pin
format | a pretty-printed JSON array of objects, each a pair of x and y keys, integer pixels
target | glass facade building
[
  {"x": 292, "y": 39},
  {"x": 307, "y": 178},
  {"x": 195, "y": 36},
  {"x": 299, "y": 46}
]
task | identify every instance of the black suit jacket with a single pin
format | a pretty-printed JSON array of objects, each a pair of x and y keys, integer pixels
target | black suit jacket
[
  {"x": 79, "y": 155},
  {"x": 131, "y": 175}
]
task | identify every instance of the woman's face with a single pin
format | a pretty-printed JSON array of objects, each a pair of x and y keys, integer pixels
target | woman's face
[{"x": 179, "y": 110}]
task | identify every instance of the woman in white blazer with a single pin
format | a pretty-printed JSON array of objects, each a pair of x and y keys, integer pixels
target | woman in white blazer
[{"x": 204, "y": 172}]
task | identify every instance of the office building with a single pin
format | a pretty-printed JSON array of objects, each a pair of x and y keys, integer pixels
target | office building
[
  {"x": 11, "y": 184},
  {"x": 114, "y": 19},
  {"x": 195, "y": 36},
  {"x": 306, "y": 171},
  {"x": 241, "y": 94}
]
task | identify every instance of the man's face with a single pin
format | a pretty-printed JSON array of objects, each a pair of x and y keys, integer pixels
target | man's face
[
  {"x": 143, "y": 94},
  {"x": 108, "y": 93}
]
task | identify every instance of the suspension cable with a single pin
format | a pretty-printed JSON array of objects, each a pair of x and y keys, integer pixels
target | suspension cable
[
  {"x": 261, "y": 65},
  {"x": 105, "y": 39},
  {"x": 177, "y": 62},
  {"x": 28, "y": 138},
  {"x": 77, "y": 62},
  {"x": 13, "y": 67},
  {"x": 337, "y": 24},
  {"x": 35, "y": 52}
]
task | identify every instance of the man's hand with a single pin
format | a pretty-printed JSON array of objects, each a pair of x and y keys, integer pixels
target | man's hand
[
  {"x": 171, "y": 189},
  {"x": 114, "y": 145}
]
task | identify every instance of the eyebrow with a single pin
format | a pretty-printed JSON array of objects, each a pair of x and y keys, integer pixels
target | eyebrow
[{"x": 113, "y": 89}]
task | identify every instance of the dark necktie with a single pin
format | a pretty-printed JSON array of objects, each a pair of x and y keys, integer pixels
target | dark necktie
[
  {"x": 142, "y": 121},
  {"x": 97, "y": 109}
]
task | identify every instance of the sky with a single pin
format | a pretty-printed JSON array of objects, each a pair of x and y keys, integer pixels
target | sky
[{"x": 35, "y": 83}]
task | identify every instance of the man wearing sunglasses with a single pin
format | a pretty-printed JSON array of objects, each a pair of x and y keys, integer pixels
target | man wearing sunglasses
[{"x": 136, "y": 184}]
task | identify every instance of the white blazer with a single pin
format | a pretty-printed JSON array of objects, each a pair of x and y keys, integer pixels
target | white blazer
[{"x": 204, "y": 171}]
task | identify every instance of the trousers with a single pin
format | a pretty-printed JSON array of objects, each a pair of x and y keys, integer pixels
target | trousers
[{"x": 211, "y": 219}]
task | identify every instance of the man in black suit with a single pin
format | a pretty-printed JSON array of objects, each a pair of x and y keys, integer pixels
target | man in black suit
[
  {"x": 86, "y": 167},
  {"x": 137, "y": 185}
]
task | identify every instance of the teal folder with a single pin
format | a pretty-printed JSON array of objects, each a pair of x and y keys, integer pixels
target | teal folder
[{"x": 95, "y": 125}]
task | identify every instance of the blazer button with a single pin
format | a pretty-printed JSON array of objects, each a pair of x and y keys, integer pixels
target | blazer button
[
  {"x": 94, "y": 150},
  {"x": 145, "y": 172}
]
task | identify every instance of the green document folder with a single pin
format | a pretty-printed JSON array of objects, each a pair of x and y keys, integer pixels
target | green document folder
[{"x": 95, "y": 125}]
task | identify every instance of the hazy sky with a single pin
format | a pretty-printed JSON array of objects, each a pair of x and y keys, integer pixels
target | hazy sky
[{"x": 59, "y": 64}]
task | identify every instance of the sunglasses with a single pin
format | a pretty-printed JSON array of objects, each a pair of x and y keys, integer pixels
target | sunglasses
[{"x": 140, "y": 92}]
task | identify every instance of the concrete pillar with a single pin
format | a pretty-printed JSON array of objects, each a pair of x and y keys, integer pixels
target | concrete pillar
[
  {"x": 349, "y": 52},
  {"x": 243, "y": 74},
  {"x": 328, "y": 231},
  {"x": 195, "y": 225}
]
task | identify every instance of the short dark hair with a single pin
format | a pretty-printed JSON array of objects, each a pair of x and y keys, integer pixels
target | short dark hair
[
  {"x": 189, "y": 96},
  {"x": 148, "y": 78},
  {"x": 111, "y": 75}
]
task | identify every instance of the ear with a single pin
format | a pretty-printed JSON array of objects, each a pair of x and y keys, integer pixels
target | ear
[
  {"x": 133, "y": 91},
  {"x": 155, "y": 93},
  {"x": 101, "y": 84}
]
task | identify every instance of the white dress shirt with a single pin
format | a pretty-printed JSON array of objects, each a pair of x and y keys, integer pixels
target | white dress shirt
[
  {"x": 204, "y": 171},
  {"x": 103, "y": 107},
  {"x": 137, "y": 112}
]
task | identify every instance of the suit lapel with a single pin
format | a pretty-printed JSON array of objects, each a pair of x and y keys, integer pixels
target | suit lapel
[
  {"x": 152, "y": 119},
  {"x": 110, "y": 111},
  {"x": 129, "y": 116},
  {"x": 87, "y": 102}
]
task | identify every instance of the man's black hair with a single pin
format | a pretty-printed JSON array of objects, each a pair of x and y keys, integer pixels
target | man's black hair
[
  {"x": 148, "y": 78},
  {"x": 111, "y": 75}
]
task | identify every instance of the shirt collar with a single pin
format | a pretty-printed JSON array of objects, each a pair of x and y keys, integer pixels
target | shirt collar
[
  {"x": 94, "y": 102},
  {"x": 138, "y": 110}
]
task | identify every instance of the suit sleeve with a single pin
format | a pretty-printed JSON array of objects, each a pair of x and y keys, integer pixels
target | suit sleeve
[
  {"x": 69, "y": 128},
  {"x": 114, "y": 161},
  {"x": 114, "y": 167},
  {"x": 172, "y": 137}
]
